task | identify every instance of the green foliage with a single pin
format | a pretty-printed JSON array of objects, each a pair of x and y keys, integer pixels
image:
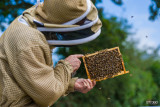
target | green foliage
[
  {"x": 155, "y": 68},
  {"x": 154, "y": 9},
  {"x": 10, "y": 9},
  {"x": 129, "y": 90}
]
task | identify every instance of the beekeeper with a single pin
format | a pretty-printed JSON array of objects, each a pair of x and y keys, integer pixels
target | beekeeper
[{"x": 27, "y": 75}]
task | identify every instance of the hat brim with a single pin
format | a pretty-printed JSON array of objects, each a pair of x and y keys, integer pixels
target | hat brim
[{"x": 49, "y": 28}]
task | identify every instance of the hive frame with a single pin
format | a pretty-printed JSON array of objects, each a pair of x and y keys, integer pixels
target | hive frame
[{"x": 120, "y": 73}]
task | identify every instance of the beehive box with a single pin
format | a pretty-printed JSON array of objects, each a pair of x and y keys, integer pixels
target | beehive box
[{"x": 104, "y": 64}]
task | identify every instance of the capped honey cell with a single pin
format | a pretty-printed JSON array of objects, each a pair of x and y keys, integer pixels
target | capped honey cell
[{"x": 104, "y": 64}]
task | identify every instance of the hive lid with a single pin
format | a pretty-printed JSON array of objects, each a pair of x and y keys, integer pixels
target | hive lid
[{"x": 104, "y": 64}]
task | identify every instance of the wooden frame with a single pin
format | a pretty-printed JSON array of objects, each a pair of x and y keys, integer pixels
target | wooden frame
[{"x": 121, "y": 73}]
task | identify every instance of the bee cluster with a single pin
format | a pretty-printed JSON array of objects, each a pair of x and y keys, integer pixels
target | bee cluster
[{"x": 104, "y": 64}]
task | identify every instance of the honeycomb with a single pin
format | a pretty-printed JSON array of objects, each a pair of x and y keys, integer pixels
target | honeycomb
[{"x": 104, "y": 64}]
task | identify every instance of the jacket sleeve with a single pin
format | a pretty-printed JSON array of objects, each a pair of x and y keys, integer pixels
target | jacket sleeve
[
  {"x": 71, "y": 86},
  {"x": 72, "y": 81},
  {"x": 44, "y": 84}
]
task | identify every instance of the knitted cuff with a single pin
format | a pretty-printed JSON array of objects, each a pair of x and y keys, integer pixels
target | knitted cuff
[
  {"x": 66, "y": 63},
  {"x": 71, "y": 84}
]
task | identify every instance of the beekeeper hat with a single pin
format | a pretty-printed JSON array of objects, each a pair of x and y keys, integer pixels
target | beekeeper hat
[{"x": 66, "y": 22}]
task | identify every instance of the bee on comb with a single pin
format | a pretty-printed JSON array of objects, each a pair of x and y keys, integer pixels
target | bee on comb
[{"x": 104, "y": 64}]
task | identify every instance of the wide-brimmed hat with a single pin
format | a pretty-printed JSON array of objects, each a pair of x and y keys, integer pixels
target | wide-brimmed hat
[{"x": 65, "y": 22}]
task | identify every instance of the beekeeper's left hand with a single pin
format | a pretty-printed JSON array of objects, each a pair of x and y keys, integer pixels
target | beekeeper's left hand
[{"x": 84, "y": 85}]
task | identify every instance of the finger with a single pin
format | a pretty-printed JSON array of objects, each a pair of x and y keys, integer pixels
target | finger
[
  {"x": 84, "y": 84},
  {"x": 90, "y": 83},
  {"x": 79, "y": 55},
  {"x": 79, "y": 61},
  {"x": 94, "y": 83},
  {"x": 79, "y": 87},
  {"x": 77, "y": 66},
  {"x": 75, "y": 69}
]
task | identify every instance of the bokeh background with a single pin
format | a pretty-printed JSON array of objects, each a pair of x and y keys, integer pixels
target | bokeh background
[{"x": 133, "y": 25}]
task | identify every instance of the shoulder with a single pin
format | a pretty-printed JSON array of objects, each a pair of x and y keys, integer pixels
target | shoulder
[{"x": 23, "y": 36}]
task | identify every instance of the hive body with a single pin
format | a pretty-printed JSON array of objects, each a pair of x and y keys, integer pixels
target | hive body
[{"x": 104, "y": 64}]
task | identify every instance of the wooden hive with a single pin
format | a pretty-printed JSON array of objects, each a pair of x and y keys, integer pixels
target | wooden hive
[{"x": 104, "y": 64}]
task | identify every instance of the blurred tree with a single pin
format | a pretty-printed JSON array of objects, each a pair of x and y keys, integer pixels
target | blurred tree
[
  {"x": 129, "y": 90},
  {"x": 155, "y": 68},
  {"x": 154, "y": 9},
  {"x": 10, "y": 9}
]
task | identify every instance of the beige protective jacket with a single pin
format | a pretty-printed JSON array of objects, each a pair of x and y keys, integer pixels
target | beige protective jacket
[{"x": 27, "y": 76}]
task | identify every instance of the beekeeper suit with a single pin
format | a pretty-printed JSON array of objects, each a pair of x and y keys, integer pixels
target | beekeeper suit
[{"x": 27, "y": 75}]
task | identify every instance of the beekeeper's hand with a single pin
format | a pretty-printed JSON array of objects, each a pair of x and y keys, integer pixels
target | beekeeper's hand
[
  {"x": 84, "y": 85},
  {"x": 74, "y": 61}
]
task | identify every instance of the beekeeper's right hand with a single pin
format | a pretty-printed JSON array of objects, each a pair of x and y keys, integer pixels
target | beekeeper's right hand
[{"x": 74, "y": 61}]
